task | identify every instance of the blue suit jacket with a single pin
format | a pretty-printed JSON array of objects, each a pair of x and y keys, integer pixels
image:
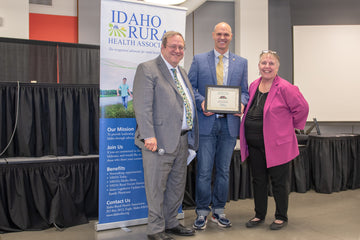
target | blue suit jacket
[{"x": 202, "y": 72}]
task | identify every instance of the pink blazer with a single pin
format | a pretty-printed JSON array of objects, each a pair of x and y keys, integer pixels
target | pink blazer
[{"x": 285, "y": 109}]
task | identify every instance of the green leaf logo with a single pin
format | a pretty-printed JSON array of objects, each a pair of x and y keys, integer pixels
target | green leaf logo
[{"x": 115, "y": 31}]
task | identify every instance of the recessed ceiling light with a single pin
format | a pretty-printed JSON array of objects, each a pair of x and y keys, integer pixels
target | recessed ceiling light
[{"x": 166, "y": 2}]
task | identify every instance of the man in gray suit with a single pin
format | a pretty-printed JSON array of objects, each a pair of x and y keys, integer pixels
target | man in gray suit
[{"x": 167, "y": 129}]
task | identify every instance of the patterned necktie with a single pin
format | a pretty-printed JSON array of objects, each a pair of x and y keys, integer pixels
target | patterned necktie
[
  {"x": 189, "y": 120},
  {"x": 220, "y": 71}
]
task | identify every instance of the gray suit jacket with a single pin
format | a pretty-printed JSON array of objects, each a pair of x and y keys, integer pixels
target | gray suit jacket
[{"x": 159, "y": 106}]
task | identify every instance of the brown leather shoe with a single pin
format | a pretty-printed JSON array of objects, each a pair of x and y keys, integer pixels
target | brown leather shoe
[
  {"x": 159, "y": 236},
  {"x": 181, "y": 231}
]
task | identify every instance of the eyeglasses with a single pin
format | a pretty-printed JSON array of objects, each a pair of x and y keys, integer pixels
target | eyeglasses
[
  {"x": 174, "y": 47},
  {"x": 270, "y": 52}
]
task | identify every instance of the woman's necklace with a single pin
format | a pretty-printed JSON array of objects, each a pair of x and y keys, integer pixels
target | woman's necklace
[
  {"x": 259, "y": 97},
  {"x": 265, "y": 87},
  {"x": 262, "y": 90}
]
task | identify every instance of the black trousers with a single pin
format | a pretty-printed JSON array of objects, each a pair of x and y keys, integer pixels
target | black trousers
[{"x": 278, "y": 175}]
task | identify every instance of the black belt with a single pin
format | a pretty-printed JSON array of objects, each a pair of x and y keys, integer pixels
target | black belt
[{"x": 183, "y": 132}]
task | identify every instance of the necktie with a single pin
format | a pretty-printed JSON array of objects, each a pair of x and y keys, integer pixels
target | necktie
[
  {"x": 189, "y": 121},
  {"x": 220, "y": 71}
]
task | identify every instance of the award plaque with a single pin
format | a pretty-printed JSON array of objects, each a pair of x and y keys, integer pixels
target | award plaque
[{"x": 223, "y": 99}]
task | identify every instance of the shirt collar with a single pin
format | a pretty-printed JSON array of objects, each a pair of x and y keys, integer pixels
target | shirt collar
[
  {"x": 226, "y": 54},
  {"x": 168, "y": 64}
]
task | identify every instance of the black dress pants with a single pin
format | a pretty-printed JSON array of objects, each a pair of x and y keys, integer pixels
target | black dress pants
[{"x": 278, "y": 175}]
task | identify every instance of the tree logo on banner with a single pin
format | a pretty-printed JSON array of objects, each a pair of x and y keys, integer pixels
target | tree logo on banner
[{"x": 116, "y": 31}]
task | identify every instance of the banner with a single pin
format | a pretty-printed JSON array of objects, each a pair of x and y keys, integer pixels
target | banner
[{"x": 131, "y": 33}]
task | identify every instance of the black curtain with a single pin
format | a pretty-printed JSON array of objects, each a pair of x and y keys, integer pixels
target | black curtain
[
  {"x": 48, "y": 62},
  {"x": 240, "y": 182},
  {"x": 53, "y": 119},
  {"x": 240, "y": 185},
  {"x": 300, "y": 172},
  {"x": 36, "y": 196},
  {"x": 26, "y": 60},
  {"x": 334, "y": 162},
  {"x": 79, "y": 64}
]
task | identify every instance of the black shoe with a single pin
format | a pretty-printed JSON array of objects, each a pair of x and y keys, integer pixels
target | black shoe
[
  {"x": 181, "y": 231},
  {"x": 278, "y": 226},
  {"x": 252, "y": 223},
  {"x": 159, "y": 236}
]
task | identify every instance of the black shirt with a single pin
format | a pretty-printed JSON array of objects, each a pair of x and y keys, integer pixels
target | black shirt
[{"x": 254, "y": 117}]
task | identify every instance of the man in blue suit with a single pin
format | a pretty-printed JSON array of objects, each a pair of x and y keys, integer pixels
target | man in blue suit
[{"x": 218, "y": 132}]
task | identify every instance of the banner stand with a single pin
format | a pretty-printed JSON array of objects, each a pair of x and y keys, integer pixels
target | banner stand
[
  {"x": 125, "y": 224},
  {"x": 131, "y": 33},
  {"x": 122, "y": 224}
]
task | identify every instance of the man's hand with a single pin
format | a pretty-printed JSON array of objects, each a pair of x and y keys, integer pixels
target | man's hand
[
  {"x": 151, "y": 144},
  {"x": 203, "y": 108},
  {"x": 242, "y": 111}
]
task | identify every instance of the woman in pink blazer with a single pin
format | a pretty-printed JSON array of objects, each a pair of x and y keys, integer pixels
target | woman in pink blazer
[{"x": 267, "y": 137}]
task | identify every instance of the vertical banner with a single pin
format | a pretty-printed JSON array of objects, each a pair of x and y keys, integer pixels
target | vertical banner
[{"x": 131, "y": 33}]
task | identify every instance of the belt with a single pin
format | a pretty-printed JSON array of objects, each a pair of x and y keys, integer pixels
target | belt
[
  {"x": 183, "y": 132},
  {"x": 221, "y": 115}
]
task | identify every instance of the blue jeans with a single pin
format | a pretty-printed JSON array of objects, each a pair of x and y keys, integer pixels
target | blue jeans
[
  {"x": 216, "y": 148},
  {"x": 125, "y": 101}
]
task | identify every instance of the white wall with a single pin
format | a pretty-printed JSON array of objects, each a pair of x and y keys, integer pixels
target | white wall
[
  {"x": 14, "y": 16},
  {"x": 325, "y": 69},
  {"x": 59, "y": 7},
  {"x": 252, "y": 28}
]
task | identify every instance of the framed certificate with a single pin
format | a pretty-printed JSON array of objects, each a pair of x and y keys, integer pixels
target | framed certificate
[{"x": 223, "y": 99}]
